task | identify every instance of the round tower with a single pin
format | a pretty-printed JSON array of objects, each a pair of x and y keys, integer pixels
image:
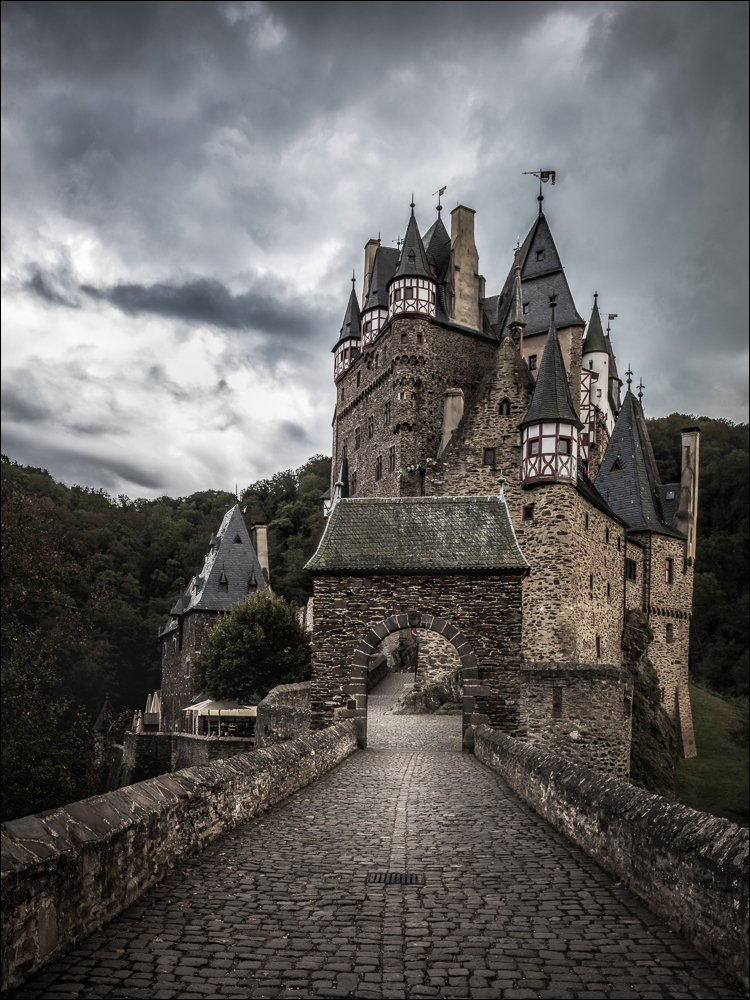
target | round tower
[{"x": 348, "y": 346}]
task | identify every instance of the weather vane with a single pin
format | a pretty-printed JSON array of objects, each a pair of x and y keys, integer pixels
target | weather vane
[
  {"x": 610, "y": 317},
  {"x": 544, "y": 176},
  {"x": 440, "y": 192}
]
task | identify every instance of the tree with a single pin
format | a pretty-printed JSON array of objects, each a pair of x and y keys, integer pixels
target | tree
[{"x": 258, "y": 644}]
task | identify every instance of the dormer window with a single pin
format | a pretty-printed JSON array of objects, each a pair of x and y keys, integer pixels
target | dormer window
[
  {"x": 224, "y": 587},
  {"x": 616, "y": 467},
  {"x": 411, "y": 261},
  {"x": 540, "y": 255},
  {"x": 532, "y": 362},
  {"x": 237, "y": 540},
  {"x": 526, "y": 308}
]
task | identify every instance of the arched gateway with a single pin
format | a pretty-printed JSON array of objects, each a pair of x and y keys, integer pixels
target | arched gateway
[{"x": 450, "y": 565}]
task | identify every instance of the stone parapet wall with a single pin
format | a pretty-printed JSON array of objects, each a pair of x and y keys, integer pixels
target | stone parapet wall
[
  {"x": 68, "y": 871},
  {"x": 292, "y": 695},
  {"x": 582, "y": 711},
  {"x": 147, "y": 754},
  {"x": 690, "y": 868}
]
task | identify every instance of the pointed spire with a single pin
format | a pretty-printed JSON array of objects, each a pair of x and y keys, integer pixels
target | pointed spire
[
  {"x": 352, "y": 325},
  {"x": 595, "y": 334},
  {"x": 413, "y": 260},
  {"x": 515, "y": 317},
  {"x": 551, "y": 400}
]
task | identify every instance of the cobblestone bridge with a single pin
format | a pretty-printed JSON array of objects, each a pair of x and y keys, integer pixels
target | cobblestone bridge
[{"x": 281, "y": 908}]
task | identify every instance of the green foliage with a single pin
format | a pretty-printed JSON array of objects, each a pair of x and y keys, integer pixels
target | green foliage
[
  {"x": 716, "y": 780},
  {"x": 257, "y": 645},
  {"x": 719, "y": 628}
]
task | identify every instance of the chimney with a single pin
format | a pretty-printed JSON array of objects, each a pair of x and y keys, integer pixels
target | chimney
[
  {"x": 453, "y": 410},
  {"x": 464, "y": 279},
  {"x": 686, "y": 515},
  {"x": 259, "y": 539},
  {"x": 370, "y": 249}
]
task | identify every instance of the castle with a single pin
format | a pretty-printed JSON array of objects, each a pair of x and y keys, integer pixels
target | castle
[{"x": 448, "y": 398}]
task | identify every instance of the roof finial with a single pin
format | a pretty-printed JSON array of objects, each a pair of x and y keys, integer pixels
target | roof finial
[
  {"x": 412, "y": 203},
  {"x": 596, "y": 296},
  {"x": 552, "y": 305},
  {"x": 353, "y": 278},
  {"x": 641, "y": 387},
  {"x": 398, "y": 241},
  {"x": 544, "y": 176},
  {"x": 628, "y": 377}
]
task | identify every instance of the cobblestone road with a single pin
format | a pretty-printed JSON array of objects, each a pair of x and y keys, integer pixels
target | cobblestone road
[{"x": 280, "y": 908}]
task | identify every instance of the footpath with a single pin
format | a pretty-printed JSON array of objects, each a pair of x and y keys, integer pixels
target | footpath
[{"x": 501, "y": 905}]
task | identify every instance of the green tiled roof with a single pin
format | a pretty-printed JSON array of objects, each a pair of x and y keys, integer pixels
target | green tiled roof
[{"x": 440, "y": 535}]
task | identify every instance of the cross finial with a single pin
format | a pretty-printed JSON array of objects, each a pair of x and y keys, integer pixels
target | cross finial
[
  {"x": 628, "y": 377},
  {"x": 641, "y": 387},
  {"x": 398, "y": 241}
]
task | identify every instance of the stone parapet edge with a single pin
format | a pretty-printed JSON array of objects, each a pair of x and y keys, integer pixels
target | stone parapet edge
[
  {"x": 67, "y": 871},
  {"x": 688, "y": 867}
]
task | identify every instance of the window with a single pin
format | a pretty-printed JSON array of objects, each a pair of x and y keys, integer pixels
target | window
[
  {"x": 402, "y": 395},
  {"x": 540, "y": 255},
  {"x": 358, "y": 375},
  {"x": 370, "y": 427},
  {"x": 631, "y": 570},
  {"x": 368, "y": 326},
  {"x": 598, "y": 648},
  {"x": 669, "y": 574},
  {"x": 403, "y": 338},
  {"x": 526, "y": 308},
  {"x": 409, "y": 293},
  {"x": 385, "y": 354},
  {"x": 237, "y": 540},
  {"x": 411, "y": 259},
  {"x": 419, "y": 338},
  {"x": 619, "y": 543},
  {"x": 392, "y": 459},
  {"x": 224, "y": 587},
  {"x": 187, "y": 667},
  {"x": 397, "y": 295},
  {"x": 532, "y": 447},
  {"x": 489, "y": 456},
  {"x": 353, "y": 484},
  {"x": 356, "y": 438},
  {"x": 379, "y": 468},
  {"x": 527, "y": 512},
  {"x": 343, "y": 397},
  {"x": 505, "y": 407},
  {"x": 344, "y": 448},
  {"x": 532, "y": 362},
  {"x": 387, "y": 412},
  {"x": 616, "y": 467},
  {"x": 591, "y": 582},
  {"x": 557, "y": 693},
  {"x": 609, "y": 590},
  {"x": 433, "y": 298},
  {"x": 586, "y": 521},
  {"x": 591, "y": 366},
  {"x": 606, "y": 535},
  {"x": 563, "y": 446},
  {"x": 252, "y": 586}
]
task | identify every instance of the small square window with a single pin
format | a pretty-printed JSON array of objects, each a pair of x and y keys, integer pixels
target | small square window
[
  {"x": 489, "y": 456},
  {"x": 563, "y": 446},
  {"x": 532, "y": 362},
  {"x": 631, "y": 569},
  {"x": 419, "y": 338},
  {"x": 533, "y": 447},
  {"x": 397, "y": 295},
  {"x": 670, "y": 632},
  {"x": 527, "y": 512},
  {"x": 409, "y": 293},
  {"x": 403, "y": 338},
  {"x": 526, "y": 308},
  {"x": 540, "y": 255}
]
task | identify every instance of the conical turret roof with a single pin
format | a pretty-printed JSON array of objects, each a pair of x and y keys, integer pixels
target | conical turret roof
[
  {"x": 413, "y": 259},
  {"x": 386, "y": 261},
  {"x": 551, "y": 399},
  {"x": 352, "y": 325},
  {"x": 437, "y": 244},
  {"x": 595, "y": 334}
]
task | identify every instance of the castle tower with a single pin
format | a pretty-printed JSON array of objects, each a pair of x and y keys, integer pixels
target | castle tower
[
  {"x": 549, "y": 431},
  {"x": 411, "y": 290},
  {"x": 596, "y": 357},
  {"x": 347, "y": 347},
  {"x": 380, "y": 264}
]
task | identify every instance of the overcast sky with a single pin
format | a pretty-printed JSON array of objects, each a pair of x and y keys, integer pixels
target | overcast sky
[{"x": 188, "y": 186}]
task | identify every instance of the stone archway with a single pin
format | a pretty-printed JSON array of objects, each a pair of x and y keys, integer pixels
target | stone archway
[{"x": 356, "y": 689}]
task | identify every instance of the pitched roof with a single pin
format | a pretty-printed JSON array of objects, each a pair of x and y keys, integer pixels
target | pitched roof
[
  {"x": 440, "y": 535},
  {"x": 542, "y": 276},
  {"x": 628, "y": 478},
  {"x": 352, "y": 325},
  {"x": 413, "y": 259},
  {"x": 595, "y": 335},
  {"x": 234, "y": 559},
  {"x": 551, "y": 399},
  {"x": 383, "y": 268},
  {"x": 437, "y": 243}
]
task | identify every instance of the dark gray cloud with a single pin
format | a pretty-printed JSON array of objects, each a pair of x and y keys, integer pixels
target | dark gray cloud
[
  {"x": 17, "y": 405},
  {"x": 218, "y": 166}
]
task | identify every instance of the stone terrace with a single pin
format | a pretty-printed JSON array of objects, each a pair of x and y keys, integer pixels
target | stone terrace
[{"x": 280, "y": 908}]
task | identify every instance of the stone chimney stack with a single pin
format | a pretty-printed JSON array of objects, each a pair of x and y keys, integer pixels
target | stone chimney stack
[
  {"x": 259, "y": 538},
  {"x": 370, "y": 248},
  {"x": 466, "y": 285},
  {"x": 686, "y": 515},
  {"x": 453, "y": 410}
]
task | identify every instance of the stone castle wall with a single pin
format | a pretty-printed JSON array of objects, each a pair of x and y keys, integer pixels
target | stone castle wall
[
  {"x": 68, "y": 871},
  {"x": 179, "y": 646},
  {"x": 690, "y": 868},
  {"x": 146, "y": 755}
]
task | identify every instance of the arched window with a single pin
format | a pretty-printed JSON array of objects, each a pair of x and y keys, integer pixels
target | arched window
[
  {"x": 505, "y": 407},
  {"x": 670, "y": 632}
]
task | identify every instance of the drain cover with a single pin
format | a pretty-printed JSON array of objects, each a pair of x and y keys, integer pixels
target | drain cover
[{"x": 395, "y": 878}]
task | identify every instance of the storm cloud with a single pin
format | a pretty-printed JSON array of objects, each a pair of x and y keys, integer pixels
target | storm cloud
[{"x": 187, "y": 187}]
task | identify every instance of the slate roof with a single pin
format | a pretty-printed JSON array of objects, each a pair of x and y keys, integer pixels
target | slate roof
[
  {"x": 238, "y": 563},
  {"x": 595, "y": 340},
  {"x": 413, "y": 246},
  {"x": 634, "y": 491},
  {"x": 540, "y": 279},
  {"x": 437, "y": 243},
  {"x": 383, "y": 269},
  {"x": 551, "y": 399},
  {"x": 587, "y": 489},
  {"x": 352, "y": 325},
  {"x": 403, "y": 535}
]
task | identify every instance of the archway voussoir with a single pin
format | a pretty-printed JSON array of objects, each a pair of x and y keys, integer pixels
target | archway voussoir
[
  {"x": 469, "y": 661},
  {"x": 427, "y": 621},
  {"x": 439, "y": 625},
  {"x": 415, "y": 619},
  {"x": 361, "y": 659},
  {"x": 373, "y": 639},
  {"x": 392, "y": 624},
  {"x": 450, "y": 631},
  {"x": 403, "y": 621},
  {"x": 381, "y": 630},
  {"x": 459, "y": 639}
]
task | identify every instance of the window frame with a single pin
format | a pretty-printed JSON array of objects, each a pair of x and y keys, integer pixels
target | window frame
[{"x": 492, "y": 452}]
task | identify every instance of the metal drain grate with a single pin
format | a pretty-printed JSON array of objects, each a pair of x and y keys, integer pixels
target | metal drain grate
[{"x": 395, "y": 878}]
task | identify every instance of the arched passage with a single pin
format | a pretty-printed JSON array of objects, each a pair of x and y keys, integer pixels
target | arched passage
[{"x": 356, "y": 689}]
